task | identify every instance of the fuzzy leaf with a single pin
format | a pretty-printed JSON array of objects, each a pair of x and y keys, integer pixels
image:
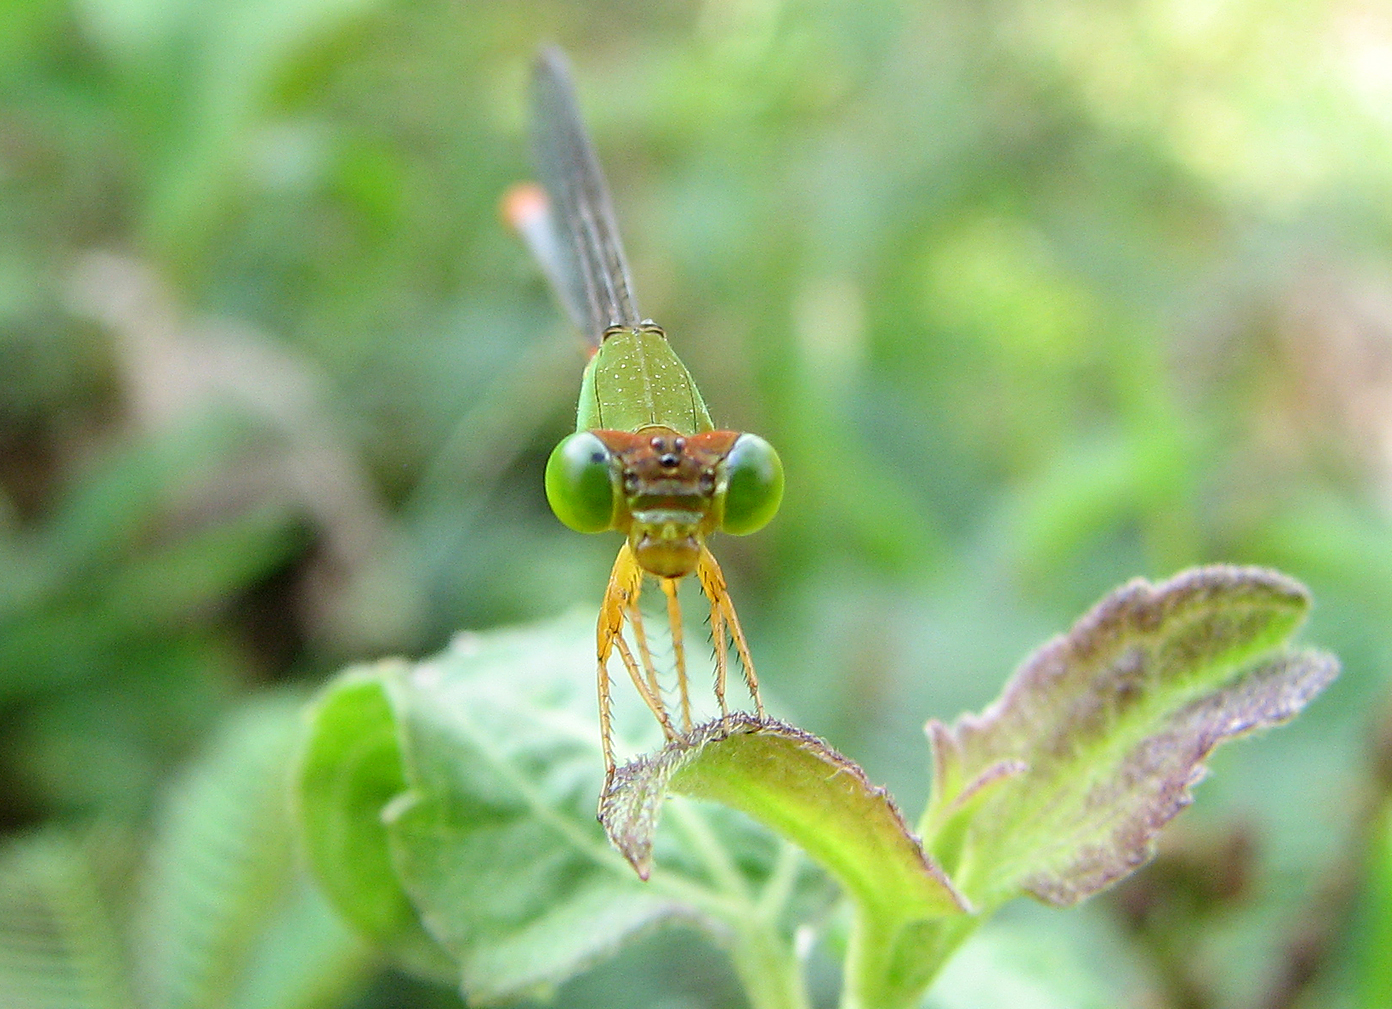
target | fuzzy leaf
[
  {"x": 1061, "y": 785},
  {"x": 494, "y": 838},
  {"x": 797, "y": 785}
]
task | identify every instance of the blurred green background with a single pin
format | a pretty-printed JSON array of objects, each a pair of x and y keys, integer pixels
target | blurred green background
[{"x": 1034, "y": 296}]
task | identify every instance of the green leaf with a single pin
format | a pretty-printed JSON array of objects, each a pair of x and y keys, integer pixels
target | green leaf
[
  {"x": 797, "y": 785},
  {"x": 57, "y": 946},
  {"x": 349, "y": 770},
  {"x": 494, "y": 838},
  {"x": 800, "y": 787},
  {"x": 1059, "y": 788}
]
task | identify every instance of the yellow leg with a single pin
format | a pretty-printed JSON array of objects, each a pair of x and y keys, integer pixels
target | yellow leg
[
  {"x": 640, "y": 638},
  {"x": 606, "y": 735},
  {"x": 723, "y": 615},
  {"x": 713, "y": 584},
  {"x": 624, "y": 581},
  {"x": 654, "y": 703},
  {"x": 674, "y": 619},
  {"x": 620, "y": 598}
]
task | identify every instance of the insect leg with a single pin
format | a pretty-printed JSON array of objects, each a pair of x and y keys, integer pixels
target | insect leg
[
  {"x": 640, "y": 638},
  {"x": 620, "y": 597},
  {"x": 713, "y": 584},
  {"x": 674, "y": 618},
  {"x": 653, "y": 703},
  {"x": 713, "y": 581}
]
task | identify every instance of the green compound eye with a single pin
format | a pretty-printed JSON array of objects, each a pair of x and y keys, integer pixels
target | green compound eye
[
  {"x": 754, "y": 485},
  {"x": 579, "y": 483}
]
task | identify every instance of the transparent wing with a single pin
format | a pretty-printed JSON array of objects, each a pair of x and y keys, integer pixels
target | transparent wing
[
  {"x": 527, "y": 209},
  {"x": 588, "y": 266}
]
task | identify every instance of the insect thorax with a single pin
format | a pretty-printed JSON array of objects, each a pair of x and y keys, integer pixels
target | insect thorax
[{"x": 635, "y": 380}]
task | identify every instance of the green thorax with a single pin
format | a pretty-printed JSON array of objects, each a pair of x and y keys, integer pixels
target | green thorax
[{"x": 635, "y": 380}]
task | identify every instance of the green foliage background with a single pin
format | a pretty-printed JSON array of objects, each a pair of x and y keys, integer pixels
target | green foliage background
[{"x": 1032, "y": 297}]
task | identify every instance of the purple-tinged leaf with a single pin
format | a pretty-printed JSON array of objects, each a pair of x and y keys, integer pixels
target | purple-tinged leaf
[{"x": 1060, "y": 786}]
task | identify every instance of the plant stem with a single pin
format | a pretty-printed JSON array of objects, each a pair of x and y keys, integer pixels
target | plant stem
[
  {"x": 780, "y": 882},
  {"x": 768, "y": 968},
  {"x": 890, "y": 963}
]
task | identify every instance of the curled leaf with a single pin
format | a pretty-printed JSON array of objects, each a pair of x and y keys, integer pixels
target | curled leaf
[
  {"x": 1060, "y": 786},
  {"x": 801, "y": 788}
]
